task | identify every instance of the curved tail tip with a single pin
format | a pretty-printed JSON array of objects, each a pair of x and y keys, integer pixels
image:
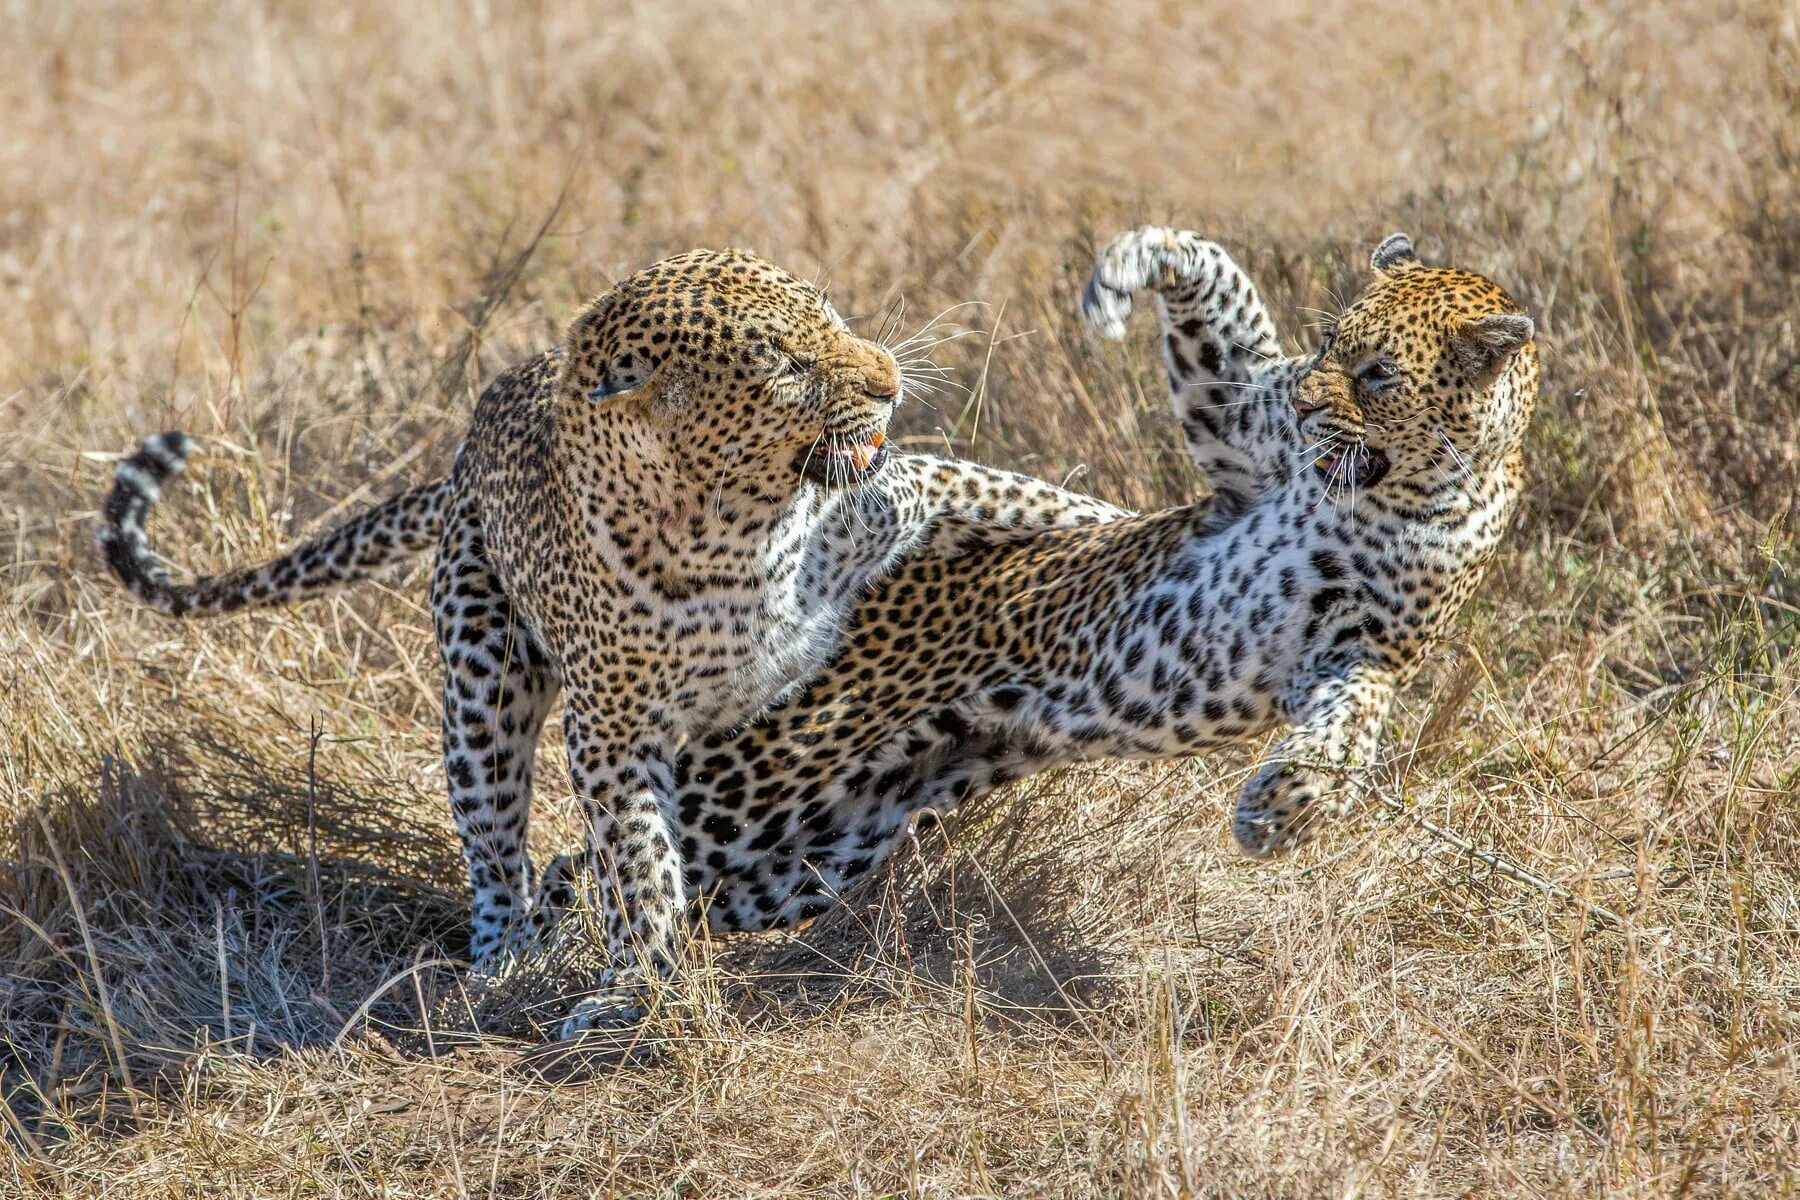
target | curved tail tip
[
  {"x": 138, "y": 481},
  {"x": 152, "y": 464}
]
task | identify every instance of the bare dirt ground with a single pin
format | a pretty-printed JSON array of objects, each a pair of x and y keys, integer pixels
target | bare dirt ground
[{"x": 307, "y": 232}]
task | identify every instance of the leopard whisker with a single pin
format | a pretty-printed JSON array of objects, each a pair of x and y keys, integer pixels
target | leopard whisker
[
  {"x": 929, "y": 371},
  {"x": 921, "y": 344},
  {"x": 896, "y": 312},
  {"x": 1331, "y": 482},
  {"x": 810, "y": 451},
  {"x": 1319, "y": 447},
  {"x": 920, "y": 334},
  {"x": 923, "y": 366},
  {"x": 1456, "y": 456},
  {"x": 1252, "y": 386},
  {"x": 1222, "y": 404}
]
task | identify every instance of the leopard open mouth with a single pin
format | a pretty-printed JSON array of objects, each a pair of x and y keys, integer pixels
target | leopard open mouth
[
  {"x": 1353, "y": 466},
  {"x": 847, "y": 462}
]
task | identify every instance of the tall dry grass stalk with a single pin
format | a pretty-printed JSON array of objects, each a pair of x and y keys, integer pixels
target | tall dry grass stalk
[{"x": 308, "y": 232}]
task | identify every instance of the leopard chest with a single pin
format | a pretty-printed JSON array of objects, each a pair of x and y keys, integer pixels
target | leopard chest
[{"x": 728, "y": 614}]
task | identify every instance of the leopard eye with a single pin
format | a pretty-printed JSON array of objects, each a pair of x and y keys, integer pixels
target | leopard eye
[{"x": 1378, "y": 373}]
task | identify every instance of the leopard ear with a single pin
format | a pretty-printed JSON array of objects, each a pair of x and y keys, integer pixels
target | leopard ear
[
  {"x": 1394, "y": 255},
  {"x": 1500, "y": 334},
  {"x": 620, "y": 377},
  {"x": 1487, "y": 344},
  {"x": 595, "y": 366}
]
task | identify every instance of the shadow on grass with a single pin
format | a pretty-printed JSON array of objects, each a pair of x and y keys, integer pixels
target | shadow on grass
[{"x": 194, "y": 902}]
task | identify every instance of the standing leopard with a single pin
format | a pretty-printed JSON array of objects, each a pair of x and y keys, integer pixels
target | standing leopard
[
  {"x": 667, "y": 519},
  {"x": 1362, "y": 490}
]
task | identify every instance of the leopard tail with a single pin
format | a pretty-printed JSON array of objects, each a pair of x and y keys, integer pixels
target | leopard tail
[{"x": 379, "y": 537}]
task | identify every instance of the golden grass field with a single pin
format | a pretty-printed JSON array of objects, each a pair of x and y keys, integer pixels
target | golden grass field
[{"x": 308, "y": 232}]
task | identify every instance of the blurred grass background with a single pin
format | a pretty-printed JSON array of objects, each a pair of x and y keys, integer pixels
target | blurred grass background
[{"x": 309, "y": 232}]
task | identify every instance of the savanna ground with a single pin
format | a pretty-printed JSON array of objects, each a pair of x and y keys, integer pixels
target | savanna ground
[{"x": 306, "y": 232}]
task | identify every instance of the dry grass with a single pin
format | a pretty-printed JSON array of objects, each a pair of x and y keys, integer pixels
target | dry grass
[{"x": 297, "y": 230}]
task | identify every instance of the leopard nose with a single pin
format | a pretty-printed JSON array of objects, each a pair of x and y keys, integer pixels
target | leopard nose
[
  {"x": 883, "y": 386},
  {"x": 881, "y": 377}
]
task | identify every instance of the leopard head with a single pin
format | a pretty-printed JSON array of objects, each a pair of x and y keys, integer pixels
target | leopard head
[
  {"x": 739, "y": 368},
  {"x": 1428, "y": 377}
]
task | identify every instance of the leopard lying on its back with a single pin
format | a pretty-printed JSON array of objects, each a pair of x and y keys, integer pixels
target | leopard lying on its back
[
  {"x": 668, "y": 519},
  {"x": 1362, "y": 491}
]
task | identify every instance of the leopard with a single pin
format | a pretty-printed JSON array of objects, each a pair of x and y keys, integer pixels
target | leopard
[
  {"x": 665, "y": 520},
  {"x": 1359, "y": 492}
]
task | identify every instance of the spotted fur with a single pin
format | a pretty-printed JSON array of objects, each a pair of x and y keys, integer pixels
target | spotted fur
[
  {"x": 666, "y": 520},
  {"x": 384, "y": 535},
  {"x": 1363, "y": 488}
]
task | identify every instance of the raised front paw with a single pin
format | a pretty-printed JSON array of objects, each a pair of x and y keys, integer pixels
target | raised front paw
[
  {"x": 1149, "y": 258},
  {"x": 1280, "y": 806}
]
